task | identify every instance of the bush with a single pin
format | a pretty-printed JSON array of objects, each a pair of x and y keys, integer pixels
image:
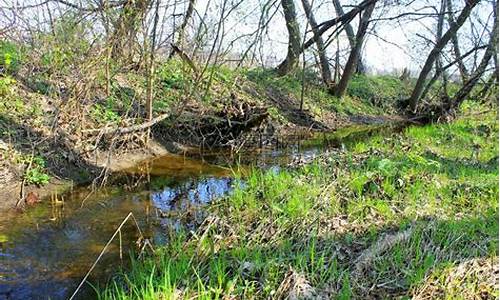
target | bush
[
  {"x": 172, "y": 75},
  {"x": 10, "y": 57},
  {"x": 37, "y": 176},
  {"x": 103, "y": 114},
  {"x": 65, "y": 48}
]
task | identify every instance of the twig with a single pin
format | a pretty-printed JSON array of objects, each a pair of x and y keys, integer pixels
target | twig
[
  {"x": 185, "y": 58},
  {"x": 117, "y": 231},
  {"x": 23, "y": 183}
]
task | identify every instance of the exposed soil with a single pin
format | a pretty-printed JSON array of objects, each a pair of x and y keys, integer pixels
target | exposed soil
[{"x": 99, "y": 165}]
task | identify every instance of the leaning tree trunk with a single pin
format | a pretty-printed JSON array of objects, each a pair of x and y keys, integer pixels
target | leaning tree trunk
[
  {"x": 293, "y": 56},
  {"x": 485, "y": 91},
  {"x": 360, "y": 68},
  {"x": 464, "y": 92},
  {"x": 350, "y": 66},
  {"x": 464, "y": 74},
  {"x": 294, "y": 44},
  {"x": 433, "y": 55},
  {"x": 326, "y": 74}
]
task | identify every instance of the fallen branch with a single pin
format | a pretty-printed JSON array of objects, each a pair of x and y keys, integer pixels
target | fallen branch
[
  {"x": 118, "y": 130},
  {"x": 383, "y": 244}
]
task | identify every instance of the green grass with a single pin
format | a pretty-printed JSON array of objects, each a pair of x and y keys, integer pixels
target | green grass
[
  {"x": 382, "y": 91},
  {"x": 383, "y": 220},
  {"x": 373, "y": 95}
]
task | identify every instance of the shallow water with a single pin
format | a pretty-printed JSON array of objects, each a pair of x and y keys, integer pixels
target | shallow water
[{"x": 46, "y": 251}]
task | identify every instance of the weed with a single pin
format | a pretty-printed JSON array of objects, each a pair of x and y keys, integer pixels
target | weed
[
  {"x": 103, "y": 114},
  {"x": 10, "y": 57},
  {"x": 36, "y": 176},
  {"x": 36, "y": 173}
]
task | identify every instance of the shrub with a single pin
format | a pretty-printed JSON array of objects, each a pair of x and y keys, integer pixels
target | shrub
[
  {"x": 104, "y": 114},
  {"x": 37, "y": 176},
  {"x": 172, "y": 75},
  {"x": 65, "y": 48}
]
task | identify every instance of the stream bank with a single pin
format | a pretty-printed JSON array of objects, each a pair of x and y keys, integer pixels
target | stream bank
[
  {"x": 67, "y": 166},
  {"x": 51, "y": 137},
  {"x": 47, "y": 249}
]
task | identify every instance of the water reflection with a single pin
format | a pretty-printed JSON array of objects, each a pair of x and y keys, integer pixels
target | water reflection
[
  {"x": 191, "y": 192},
  {"x": 45, "y": 251}
]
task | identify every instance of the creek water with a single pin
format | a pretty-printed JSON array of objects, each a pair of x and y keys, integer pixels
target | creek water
[{"x": 47, "y": 250}]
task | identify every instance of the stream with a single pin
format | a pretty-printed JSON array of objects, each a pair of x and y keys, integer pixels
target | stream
[{"x": 46, "y": 251}]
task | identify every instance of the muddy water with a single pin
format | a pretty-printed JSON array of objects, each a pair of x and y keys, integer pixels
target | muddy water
[{"x": 46, "y": 251}]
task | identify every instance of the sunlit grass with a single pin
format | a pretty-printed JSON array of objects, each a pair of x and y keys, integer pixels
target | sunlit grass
[{"x": 382, "y": 220}]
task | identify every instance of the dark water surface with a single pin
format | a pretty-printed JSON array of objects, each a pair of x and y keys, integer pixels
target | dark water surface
[{"x": 46, "y": 251}]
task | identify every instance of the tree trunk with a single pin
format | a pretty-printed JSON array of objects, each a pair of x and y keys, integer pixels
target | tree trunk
[
  {"x": 439, "y": 62},
  {"x": 294, "y": 46},
  {"x": 433, "y": 55},
  {"x": 292, "y": 56},
  {"x": 495, "y": 53},
  {"x": 438, "y": 72},
  {"x": 464, "y": 74},
  {"x": 326, "y": 74},
  {"x": 464, "y": 92},
  {"x": 182, "y": 29},
  {"x": 485, "y": 91},
  {"x": 350, "y": 66},
  {"x": 150, "y": 75},
  {"x": 360, "y": 68}
]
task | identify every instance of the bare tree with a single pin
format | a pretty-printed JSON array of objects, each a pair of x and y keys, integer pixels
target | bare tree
[
  {"x": 456, "y": 46},
  {"x": 439, "y": 60},
  {"x": 124, "y": 36},
  {"x": 466, "y": 89},
  {"x": 295, "y": 49},
  {"x": 435, "y": 52},
  {"x": 353, "y": 59},
  {"x": 150, "y": 74},
  {"x": 181, "y": 31}
]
